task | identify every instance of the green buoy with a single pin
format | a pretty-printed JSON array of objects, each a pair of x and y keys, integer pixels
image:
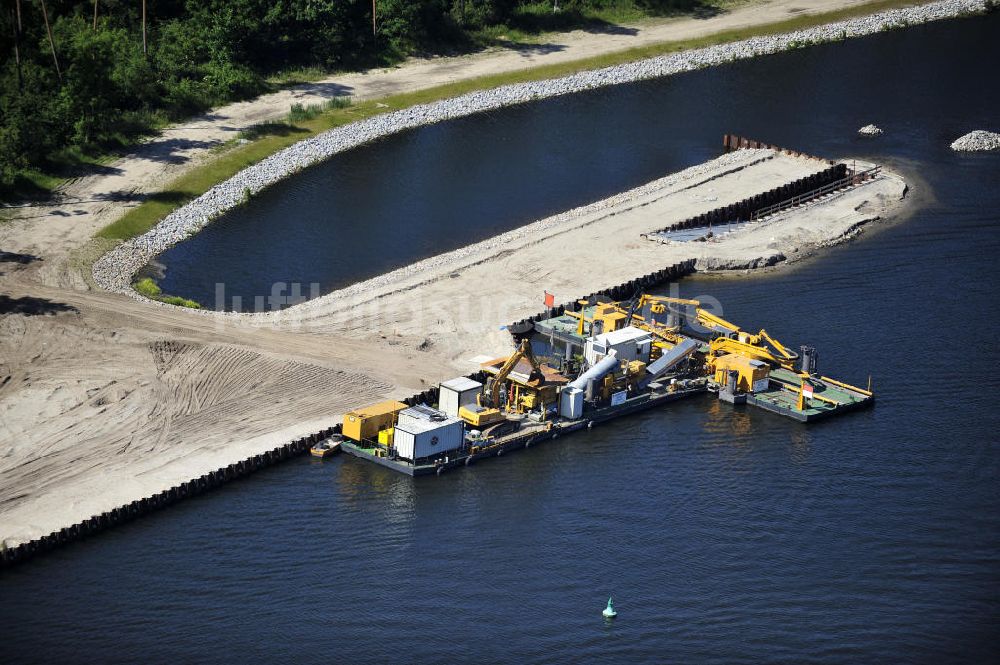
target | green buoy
[{"x": 609, "y": 611}]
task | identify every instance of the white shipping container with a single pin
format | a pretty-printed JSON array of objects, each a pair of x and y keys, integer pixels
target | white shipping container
[
  {"x": 456, "y": 393},
  {"x": 415, "y": 440}
]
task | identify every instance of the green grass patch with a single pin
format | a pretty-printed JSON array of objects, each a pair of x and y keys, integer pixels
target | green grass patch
[
  {"x": 30, "y": 185},
  {"x": 229, "y": 163},
  {"x": 148, "y": 287},
  {"x": 298, "y": 112},
  {"x": 298, "y": 76}
]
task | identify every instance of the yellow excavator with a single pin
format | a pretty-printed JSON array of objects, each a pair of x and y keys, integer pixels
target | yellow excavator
[{"x": 489, "y": 413}]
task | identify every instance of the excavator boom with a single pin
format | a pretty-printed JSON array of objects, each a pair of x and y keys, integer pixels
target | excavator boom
[
  {"x": 778, "y": 346},
  {"x": 524, "y": 351},
  {"x": 716, "y": 323}
]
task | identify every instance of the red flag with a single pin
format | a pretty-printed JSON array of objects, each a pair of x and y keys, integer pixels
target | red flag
[{"x": 550, "y": 300}]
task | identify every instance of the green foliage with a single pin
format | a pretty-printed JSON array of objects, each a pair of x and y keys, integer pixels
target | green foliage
[
  {"x": 181, "y": 302},
  {"x": 205, "y": 53},
  {"x": 261, "y": 129},
  {"x": 299, "y": 113},
  {"x": 148, "y": 287}
]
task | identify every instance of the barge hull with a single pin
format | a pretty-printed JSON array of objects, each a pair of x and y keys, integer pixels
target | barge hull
[{"x": 522, "y": 440}]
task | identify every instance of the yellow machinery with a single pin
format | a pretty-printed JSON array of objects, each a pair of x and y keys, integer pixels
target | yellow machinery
[
  {"x": 366, "y": 423},
  {"x": 609, "y": 316},
  {"x": 479, "y": 416},
  {"x": 734, "y": 340},
  {"x": 496, "y": 383},
  {"x": 488, "y": 410},
  {"x": 581, "y": 317},
  {"x": 716, "y": 323},
  {"x": 751, "y": 374},
  {"x": 744, "y": 343},
  {"x": 722, "y": 346},
  {"x": 658, "y": 305},
  {"x": 786, "y": 355}
]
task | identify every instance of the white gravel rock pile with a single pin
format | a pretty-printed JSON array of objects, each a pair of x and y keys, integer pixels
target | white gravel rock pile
[
  {"x": 114, "y": 270},
  {"x": 976, "y": 141}
]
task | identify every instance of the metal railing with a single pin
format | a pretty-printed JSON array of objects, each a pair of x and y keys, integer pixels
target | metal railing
[{"x": 854, "y": 178}]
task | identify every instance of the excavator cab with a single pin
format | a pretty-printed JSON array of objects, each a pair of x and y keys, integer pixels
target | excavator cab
[{"x": 487, "y": 411}]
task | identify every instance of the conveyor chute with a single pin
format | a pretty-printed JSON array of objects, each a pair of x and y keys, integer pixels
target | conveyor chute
[{"x": 669, "y": 358}]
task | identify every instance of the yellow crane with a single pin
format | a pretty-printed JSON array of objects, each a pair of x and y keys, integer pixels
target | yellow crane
[
  {"x": 746, "y": 343},
  {"x": 762, "y": 336},
  {"x": 716, "y": 323},
  {"x": 659, "y": 304}
]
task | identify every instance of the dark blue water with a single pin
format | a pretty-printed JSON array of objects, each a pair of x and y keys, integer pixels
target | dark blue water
[
  {"x": 725, "y": 536},
  {"x": 430, "y": 190}
]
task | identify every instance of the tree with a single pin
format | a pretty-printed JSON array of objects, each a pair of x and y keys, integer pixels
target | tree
[{"x": 52, "y": 44}]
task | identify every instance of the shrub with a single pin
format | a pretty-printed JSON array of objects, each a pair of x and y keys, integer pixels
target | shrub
[{"x": 148, "y": 287}]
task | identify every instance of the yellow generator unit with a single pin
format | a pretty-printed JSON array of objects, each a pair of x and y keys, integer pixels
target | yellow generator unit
[
  {"x": 366, "y": 423},
  {"x": 386, "y": 436},
  {"x": 752, "y": 374}
]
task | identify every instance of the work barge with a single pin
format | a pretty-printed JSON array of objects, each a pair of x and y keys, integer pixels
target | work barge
[{"x": 587, "y": 363}]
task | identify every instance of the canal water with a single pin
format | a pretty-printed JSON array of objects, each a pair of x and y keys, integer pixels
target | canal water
[
  {"x": 436, "y": 188},
  {"x": 724, "y": 535}
]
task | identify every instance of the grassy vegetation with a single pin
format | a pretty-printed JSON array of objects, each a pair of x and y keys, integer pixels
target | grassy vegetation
[
  {"x": 36, "y": 184},
  {"x": 148, "y": 287},
  {"x": 233, "y": 160}
]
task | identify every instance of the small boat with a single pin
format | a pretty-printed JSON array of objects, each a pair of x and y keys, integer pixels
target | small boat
[{"x": 327, "y": 447}]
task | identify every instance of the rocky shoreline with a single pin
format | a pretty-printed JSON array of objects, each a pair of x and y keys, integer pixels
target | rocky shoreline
[{"x": 114, "y": 270}]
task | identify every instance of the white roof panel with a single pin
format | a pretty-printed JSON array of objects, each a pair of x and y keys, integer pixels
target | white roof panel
[
  {"x": 461, "y": 384},
  {"x": 421, "y": 426},
  {"x": 616, "y": 337}
]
